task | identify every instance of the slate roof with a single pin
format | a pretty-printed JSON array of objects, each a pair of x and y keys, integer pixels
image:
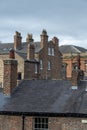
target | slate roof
[
  {"x": 5, "y": 47},
  {"x": 72, "y": 49},
  {"x": 46, "y": 96}
]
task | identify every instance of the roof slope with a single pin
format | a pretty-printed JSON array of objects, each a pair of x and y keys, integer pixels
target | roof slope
[
  {"x": 46, "y": 96},
  {"x": 72, "y": 49},
  {"x": 5, "y": 47}
]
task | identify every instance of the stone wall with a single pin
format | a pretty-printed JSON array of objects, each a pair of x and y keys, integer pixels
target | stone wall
[
  {"x": 20, "y": 65},
  {"x": 2, "y": 57}
]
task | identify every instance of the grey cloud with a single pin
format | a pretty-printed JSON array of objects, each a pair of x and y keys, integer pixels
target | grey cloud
[{"x": 63, "y": 17}]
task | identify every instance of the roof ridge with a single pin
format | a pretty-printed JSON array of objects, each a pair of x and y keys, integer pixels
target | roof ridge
[{"x": 76, "y": 49}]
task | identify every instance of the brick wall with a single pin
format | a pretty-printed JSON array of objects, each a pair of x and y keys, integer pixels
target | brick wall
[
  {"x": 10, "y": 76},
  {"x": 54, "y": 123},
  {"x": 29, "y": 70},
  {"x": 30, "y": 52},
  {"x": 75, "y": 77},
  {"x": 66, "y": 124},
  {"x": 10, "y": 122},
  {"x": 56, "y": 62},
  {"x": 67, "y": 59}
]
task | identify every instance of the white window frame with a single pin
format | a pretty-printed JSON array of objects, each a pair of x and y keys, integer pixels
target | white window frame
[
  {"x": 49, "y": 65},
  {"x": 41, "y": 64},
  {"x": 35, "y": 68},
  {"x": 40, "y": 123}
]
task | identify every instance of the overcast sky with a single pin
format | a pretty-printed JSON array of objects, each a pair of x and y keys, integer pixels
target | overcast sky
[{"x": 66, "y": 19}]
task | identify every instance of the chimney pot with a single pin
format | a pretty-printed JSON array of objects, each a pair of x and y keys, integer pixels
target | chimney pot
[
  {"x": 29, "y": 38},
  {"x": 55, "y": 40}
]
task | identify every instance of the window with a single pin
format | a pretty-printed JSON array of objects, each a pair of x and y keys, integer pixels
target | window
[
  {"x": 41, "y": 64},
  {"x": 52, "y": 51},
  {"x": 49, "y": 51},
  {"x": 35, "y": 68},
  {"x": 49, "y": 65},
  {"x": 40, "y": 123},
  {"x": 19, "y": 75}
]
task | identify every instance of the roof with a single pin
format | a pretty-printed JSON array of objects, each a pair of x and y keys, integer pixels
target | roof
[
  {"x": 5, "y": 47},
  {"x": 72, "y": 49},
  {"x": 46, "y": 96}
]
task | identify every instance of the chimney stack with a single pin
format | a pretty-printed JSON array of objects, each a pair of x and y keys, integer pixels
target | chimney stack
[
  {"x": 55, "y": 40},
  {"x": 30, "y": 51},
  {"x": 10, "y": 75},
  {"x": 44, "y": 38},
  {"x": 75, "y": 77},
  {"x": 17, "y": 40},
  {"x": 29, "y": 38}
]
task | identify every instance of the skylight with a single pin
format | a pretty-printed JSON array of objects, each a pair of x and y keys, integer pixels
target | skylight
[{"x": 74, "y": 87}]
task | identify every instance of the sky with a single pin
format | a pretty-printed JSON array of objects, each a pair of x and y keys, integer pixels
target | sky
[{"x": 65, "y": 19}]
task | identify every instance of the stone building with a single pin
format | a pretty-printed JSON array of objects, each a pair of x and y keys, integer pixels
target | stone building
[
  {"x": 43, "y": 58},
  {"x": 72, "y": 56},
  {"x": 41, "y": 104}
]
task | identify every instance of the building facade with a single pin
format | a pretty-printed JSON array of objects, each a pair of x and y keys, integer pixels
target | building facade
[
  {"x": 44, "y": 57},
  {"x": 72, "y": 57},
  {"x": 47, "y": 123},
  {"x": 41, "y": 104}
]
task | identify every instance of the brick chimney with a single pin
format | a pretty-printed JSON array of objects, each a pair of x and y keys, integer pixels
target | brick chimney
[
  {"x": 44, "y": 38},
  {"x": 10, "y": 76},
  {"x": 17, "y": 40},
  {"x": 75, "y": 77},
  {"x": 30, "y": 51},
  {"x": 55, "y": 40},
  {"x": 29, "y": 38}
]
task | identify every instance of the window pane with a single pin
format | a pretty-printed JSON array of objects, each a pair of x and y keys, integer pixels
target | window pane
[
  {"x": 41, "y": 124},
  {"x": 36, "y": 68},
  {"x": 49, "y": 65},
  {"x": 41, "y": 64},
  {"x": 52, "y": 51},
  {"x": 49, "y": 51}
]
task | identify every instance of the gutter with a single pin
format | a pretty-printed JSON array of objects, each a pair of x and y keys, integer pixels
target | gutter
[{"x": 46, "y": 114}]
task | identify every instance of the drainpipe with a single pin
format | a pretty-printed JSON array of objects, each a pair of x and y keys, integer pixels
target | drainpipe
[{"x": 23, "y": 122}]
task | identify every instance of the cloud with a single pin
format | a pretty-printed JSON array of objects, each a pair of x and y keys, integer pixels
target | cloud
[
  {"x": 65, "y": 19},
  {"x": 66, "y": 40}
]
